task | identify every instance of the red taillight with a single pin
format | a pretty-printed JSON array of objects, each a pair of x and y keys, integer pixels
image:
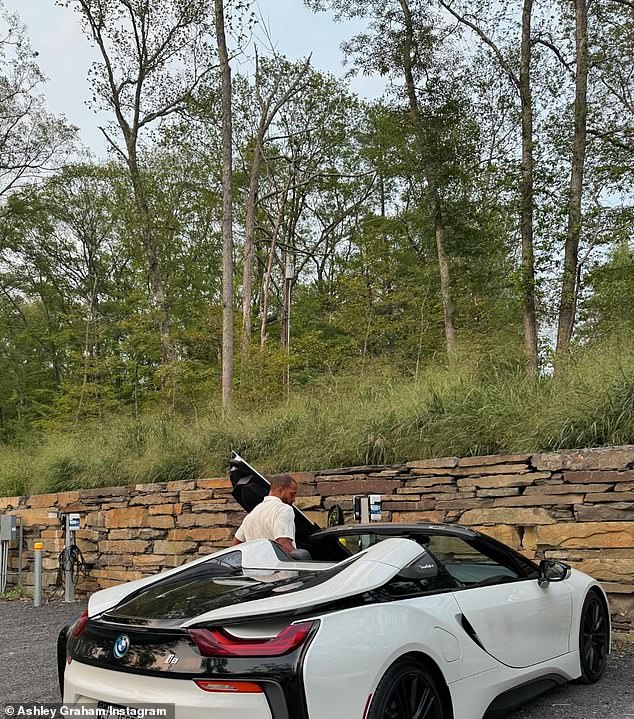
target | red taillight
[
  {"x": 79, "y": 626},
  {"x": 227, "y": 686},
  {"x": 219, "y": 643}
]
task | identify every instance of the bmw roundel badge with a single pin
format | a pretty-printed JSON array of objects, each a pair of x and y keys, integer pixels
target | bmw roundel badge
[{"x": 121, "y": 646}]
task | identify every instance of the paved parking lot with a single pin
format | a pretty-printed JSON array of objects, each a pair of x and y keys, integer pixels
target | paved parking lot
[{"x": 28, "y": 670}]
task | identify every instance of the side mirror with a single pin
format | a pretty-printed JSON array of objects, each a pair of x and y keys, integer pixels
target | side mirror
[{"x": 552, "y": 571}]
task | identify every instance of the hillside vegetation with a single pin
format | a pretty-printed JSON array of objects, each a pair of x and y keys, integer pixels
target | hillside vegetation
[{"x": 375, "y": 418}]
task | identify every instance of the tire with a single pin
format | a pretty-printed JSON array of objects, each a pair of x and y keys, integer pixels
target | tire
[
  {"x": 594, "y": 639},
  {"x": 407, "y": 691}
]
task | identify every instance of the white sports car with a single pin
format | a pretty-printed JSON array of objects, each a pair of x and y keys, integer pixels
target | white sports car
[{"x": 387, "y": 621}]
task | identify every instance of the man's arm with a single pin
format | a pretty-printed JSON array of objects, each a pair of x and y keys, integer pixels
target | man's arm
[
  {"x": 284, "y": 528},
  {"x": 286, "y": 543},
  {"x": 236, "y": 541}
]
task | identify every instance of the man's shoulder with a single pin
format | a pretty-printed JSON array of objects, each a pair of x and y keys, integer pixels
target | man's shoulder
[{"x": 282, "y": 508}]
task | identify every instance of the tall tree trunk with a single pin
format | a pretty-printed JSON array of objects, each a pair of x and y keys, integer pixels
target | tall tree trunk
[
  {"x": 522, "y": 83},
  {"x": 428, "y": 170},
  {"x": 151, "y": 253},
  {"x": 249, "y": 245},
  {"x": 529, "y": 315},
  {"x": 227, "y": 210},
  {"x": 569, "y": 285}
]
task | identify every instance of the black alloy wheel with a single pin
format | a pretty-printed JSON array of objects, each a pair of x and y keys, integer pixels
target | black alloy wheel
[
  {"x": 407, "y": 691},
  {"x": 594, "y": 639}
]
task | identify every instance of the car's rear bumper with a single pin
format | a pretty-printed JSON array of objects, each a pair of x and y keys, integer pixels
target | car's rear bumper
[{"x": 84, "y": 684}]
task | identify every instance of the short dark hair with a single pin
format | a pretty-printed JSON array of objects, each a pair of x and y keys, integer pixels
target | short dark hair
[{"x": 281, "y": 481}]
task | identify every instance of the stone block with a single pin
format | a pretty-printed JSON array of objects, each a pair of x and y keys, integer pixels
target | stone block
[
  {"x": 66, "y": 498},
  {"x": 500, "y": 492},
  {"x": 117, "y": 575},
  {"x": 196, "y": 495},
  {"x": 151, "y": 487},
  {"x": 181, "y": 485},
  {"x": 214, "y": 483},
  {"x": 610, "y": 497},
  {"x": 567, "y": 488},
  {"x": 341, "y": 477},
  {"x": 358, "y": 486},
  {"x": 204, "y": 534},
  {"x": 604, "y": 513},
  {"x": 446, "y": 491},
  {"x": 490, "y": 459},
  {"x": 611, "y": 570},
  {"x": 502, "y": 480},
  {"x": 364, "y": 469},
  {"x": 116, "y": 534},
  {"x": 511, "y": 536},
  {"x": 431, "y": 481},
  {"x": 153, "y": 561},
  {"x": 502, "y": 515},
  {"x": 434, "y": 463},
  {"x": 126, "y": 517},
  {"x": 160, "y": 521},
  {"x": 202, "y": 519},
  {"x": 587, "y": 534},
  {"x": 464, "y": 503},
  {"x": 36, "y": 517},
  {"x": 307, "y": 489},
  {"x": 599, "y": 477},
  {"x": 105, "y": 492},
  {"x": 166, "y": 509},
  {"x": 539, "y": 500},
  {"x": 146, "y": 499},
  {"x": 418, "y": 517},
  {"x": 10, "y": 502},
  {"x": 301, "y": 477},
  {"x": 43, "y": 500},
  {"x": 313, "y": 502},
  {"x": 586, "y": 459},
  {"x": 427, "y": 504},
  {"x": 166, "y": 546},
  {"x": 131, "y": 546}
]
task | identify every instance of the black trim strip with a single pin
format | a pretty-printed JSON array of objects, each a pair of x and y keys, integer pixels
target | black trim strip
[{"x": 515, "y": 697}]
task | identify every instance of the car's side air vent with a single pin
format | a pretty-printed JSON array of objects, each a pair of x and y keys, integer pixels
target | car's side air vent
[{"x": 470, "y": 631}]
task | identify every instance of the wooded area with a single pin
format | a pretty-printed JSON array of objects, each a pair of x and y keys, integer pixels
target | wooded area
[{"x": 474, "y": 224}]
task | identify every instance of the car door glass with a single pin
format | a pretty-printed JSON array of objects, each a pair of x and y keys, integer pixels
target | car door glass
[{"x": 468, "y": 565}]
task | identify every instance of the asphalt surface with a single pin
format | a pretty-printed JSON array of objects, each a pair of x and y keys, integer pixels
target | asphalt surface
[{"x": 28, "y": 669}]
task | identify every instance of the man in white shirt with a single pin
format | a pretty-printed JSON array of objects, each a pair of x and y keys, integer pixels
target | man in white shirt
[{"x": 274, "y": 517}]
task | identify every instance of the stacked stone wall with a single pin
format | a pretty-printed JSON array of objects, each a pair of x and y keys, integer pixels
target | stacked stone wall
[{"x": 577, "y": 506}]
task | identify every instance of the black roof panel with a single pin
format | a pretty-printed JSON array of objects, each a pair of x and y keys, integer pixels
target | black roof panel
[{"x": 395, "y": 529}]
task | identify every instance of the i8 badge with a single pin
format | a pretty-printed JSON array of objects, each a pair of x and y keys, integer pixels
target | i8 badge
[{"x": 121, "y": 646}]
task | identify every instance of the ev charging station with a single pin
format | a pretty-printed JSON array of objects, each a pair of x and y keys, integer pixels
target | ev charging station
[
  {"x": 10, "y": 530},
  {"x": 367, "y": 508},
  {"x": 71, "y": 522}
]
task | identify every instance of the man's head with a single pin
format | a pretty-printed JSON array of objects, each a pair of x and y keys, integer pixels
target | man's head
[{"x": 284, "y": 487}]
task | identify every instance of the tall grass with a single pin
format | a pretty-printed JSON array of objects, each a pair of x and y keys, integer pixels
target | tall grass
[{"x": 377, "y": 418}]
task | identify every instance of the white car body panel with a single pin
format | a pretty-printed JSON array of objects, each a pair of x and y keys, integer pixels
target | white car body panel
[
  {"x": 366, "y": 571},
  {"x": 88, "y": 685},
  {"x": 523, "y": 632},
  {"x": 520, "y": 623}
]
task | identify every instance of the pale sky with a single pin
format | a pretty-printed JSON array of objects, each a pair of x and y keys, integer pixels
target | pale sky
[{"x": 65, "y": 53}]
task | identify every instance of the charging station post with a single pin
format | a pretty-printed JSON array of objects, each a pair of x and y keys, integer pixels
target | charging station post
[{"x": 73, "y": 523}]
